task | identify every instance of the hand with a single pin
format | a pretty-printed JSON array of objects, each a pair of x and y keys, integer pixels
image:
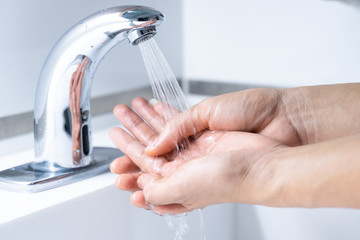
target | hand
[
  {"x": 249, "y": 168},
  {"x": 294, "y": 116},
  {"x": 215, "y": 162},
  {"x": 244, "y": 175},
  {"x": 255, "y": 110}
]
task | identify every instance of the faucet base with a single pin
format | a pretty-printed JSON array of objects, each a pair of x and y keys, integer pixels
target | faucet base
[{"x": 24, "y": 178}]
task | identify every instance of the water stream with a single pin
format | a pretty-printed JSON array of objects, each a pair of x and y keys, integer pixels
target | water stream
[{"x": 166, "y": 89}]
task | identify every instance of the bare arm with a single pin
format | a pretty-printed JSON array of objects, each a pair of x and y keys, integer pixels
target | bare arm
[
  {"x": 243, "y": 167},
  {"x": 325, "y": 112},
  {"x": 293, "y": 116},
  {"x": 319, "y": 175}
]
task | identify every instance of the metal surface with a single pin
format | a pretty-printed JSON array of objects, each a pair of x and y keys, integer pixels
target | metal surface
[
  {"x": 62, "y": 119},
  {"x": 23, "y": 123},
  {"x": 28, "y": 177},
  {"x": 137, "y": 35}
]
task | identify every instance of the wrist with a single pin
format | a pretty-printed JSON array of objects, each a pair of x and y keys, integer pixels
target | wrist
[
  {"x": 291, "y": 184},
  {"x": 298, "y": 111},
  {"x": 324, "y": 112},
  {"x": 266, "y": 179},
  {"x": 316, "y": 175}
]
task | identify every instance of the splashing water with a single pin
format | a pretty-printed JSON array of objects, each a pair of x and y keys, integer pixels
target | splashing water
[
  {"x": 166, "y": 89},
  {"x": 178, "y": 224},
  {"x": 202, "y": 225}
]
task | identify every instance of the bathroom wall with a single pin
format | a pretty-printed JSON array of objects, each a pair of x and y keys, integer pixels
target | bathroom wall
[
  {"x": 273, "y": 43},
  {"x": 31, "y": 28},
  {"x": 260, "y": 42},
  {"x": 280, "y": 43}
]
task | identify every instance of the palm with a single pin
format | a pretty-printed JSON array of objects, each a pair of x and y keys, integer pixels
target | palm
[
  {"x": 209, "y": 144},
  {"x": 146, "y": 128},
  {"x": 255, "y": 110}
]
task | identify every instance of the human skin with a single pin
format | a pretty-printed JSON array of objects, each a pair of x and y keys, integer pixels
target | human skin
[
  {"x": 262, "y": 167},
  {"x": 294, "y": 116}
]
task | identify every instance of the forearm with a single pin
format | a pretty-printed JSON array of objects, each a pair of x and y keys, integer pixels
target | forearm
[
  {"x": 321, "y": 113},
  {"x": 319, "y": 175}
]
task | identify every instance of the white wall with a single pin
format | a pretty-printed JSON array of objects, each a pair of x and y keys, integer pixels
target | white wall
[
  {"x": 31, "y": 28},
  {"x": 281, "y": 43},
  {"x": 29, "y": 31},
  {"x": 266, "y": 42},
  {"x": 272, "y": 42}
]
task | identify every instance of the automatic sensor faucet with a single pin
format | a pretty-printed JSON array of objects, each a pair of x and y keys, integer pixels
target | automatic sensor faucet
[
  {"x": 62, "y": 107},
  {"x": 62, "y": 119}
]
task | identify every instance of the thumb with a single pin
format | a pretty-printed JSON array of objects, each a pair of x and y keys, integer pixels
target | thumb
[
  {"x": 193, "y": 184},
  {"x": 183, "y": 125}
]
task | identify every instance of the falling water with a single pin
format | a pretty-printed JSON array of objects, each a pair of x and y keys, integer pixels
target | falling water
[
  {"x": 164, "y": 85},
  {"x": 177, "y": 223},
  {"x": 166, "y": 89}
]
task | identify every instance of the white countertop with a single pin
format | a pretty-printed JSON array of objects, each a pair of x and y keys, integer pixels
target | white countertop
[
  {"x": 19, "y": 150},
  {"x": 14, "y": 205},
  {"x": 103, "y": 212}
]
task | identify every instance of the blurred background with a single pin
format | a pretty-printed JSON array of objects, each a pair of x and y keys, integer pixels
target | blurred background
[
  {"x": 279, "y": 43},
  {"x": 213, "y": 47}
]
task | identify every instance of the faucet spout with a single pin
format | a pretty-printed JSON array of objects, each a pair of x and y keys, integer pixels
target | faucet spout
[{"x": 62, "y": 119}]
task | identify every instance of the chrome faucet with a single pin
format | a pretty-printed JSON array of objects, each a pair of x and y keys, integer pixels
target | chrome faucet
[{"x": 62, "y": 119}]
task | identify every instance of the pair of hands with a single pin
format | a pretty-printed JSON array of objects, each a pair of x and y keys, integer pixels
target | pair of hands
[
  {"x": 237, "y": 154},
  {"x": 221, "y": 164}
]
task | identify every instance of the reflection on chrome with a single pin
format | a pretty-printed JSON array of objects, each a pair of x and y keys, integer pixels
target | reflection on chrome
[
  {"x": 75, "y": 111},
  {"x": 62, "y": 119}
]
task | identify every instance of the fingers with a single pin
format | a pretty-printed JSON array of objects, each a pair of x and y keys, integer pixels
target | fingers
[
  {"x": 135, "y": 151},
  {"x": 123, "y": 165},
  {"x": 168, "y": 203},
  {"x": 158, "y": 190},
  {"x": 148, "y": 113},
  {"x": 193, "y": 184},
  {"x": 138, "y": 200},
  {"x": 128, "y": 182},
  {"x": 165, "y": 111},
  {"x": 135, "y": 124},
  {"x": 170, "y": 209},
  {"x": 184, "y": 125}
]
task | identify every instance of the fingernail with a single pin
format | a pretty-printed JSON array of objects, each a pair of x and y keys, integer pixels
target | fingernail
[
  {"x": 133, "y": 197},
  {"x": 151, "y": 207},
  {"x": 157, "y": 211},
  {"x": 140, "y": 182},
  {"x": 152, "y": 182},
  {"x": 153, "y": 101},
  {"x": 148, "y": 207},
  {"x": 112, "y": 166},
  {"x": 118, "y": 181},
  {"x": 152, "y": 145},
  {"x": 157, "y": 165}
]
